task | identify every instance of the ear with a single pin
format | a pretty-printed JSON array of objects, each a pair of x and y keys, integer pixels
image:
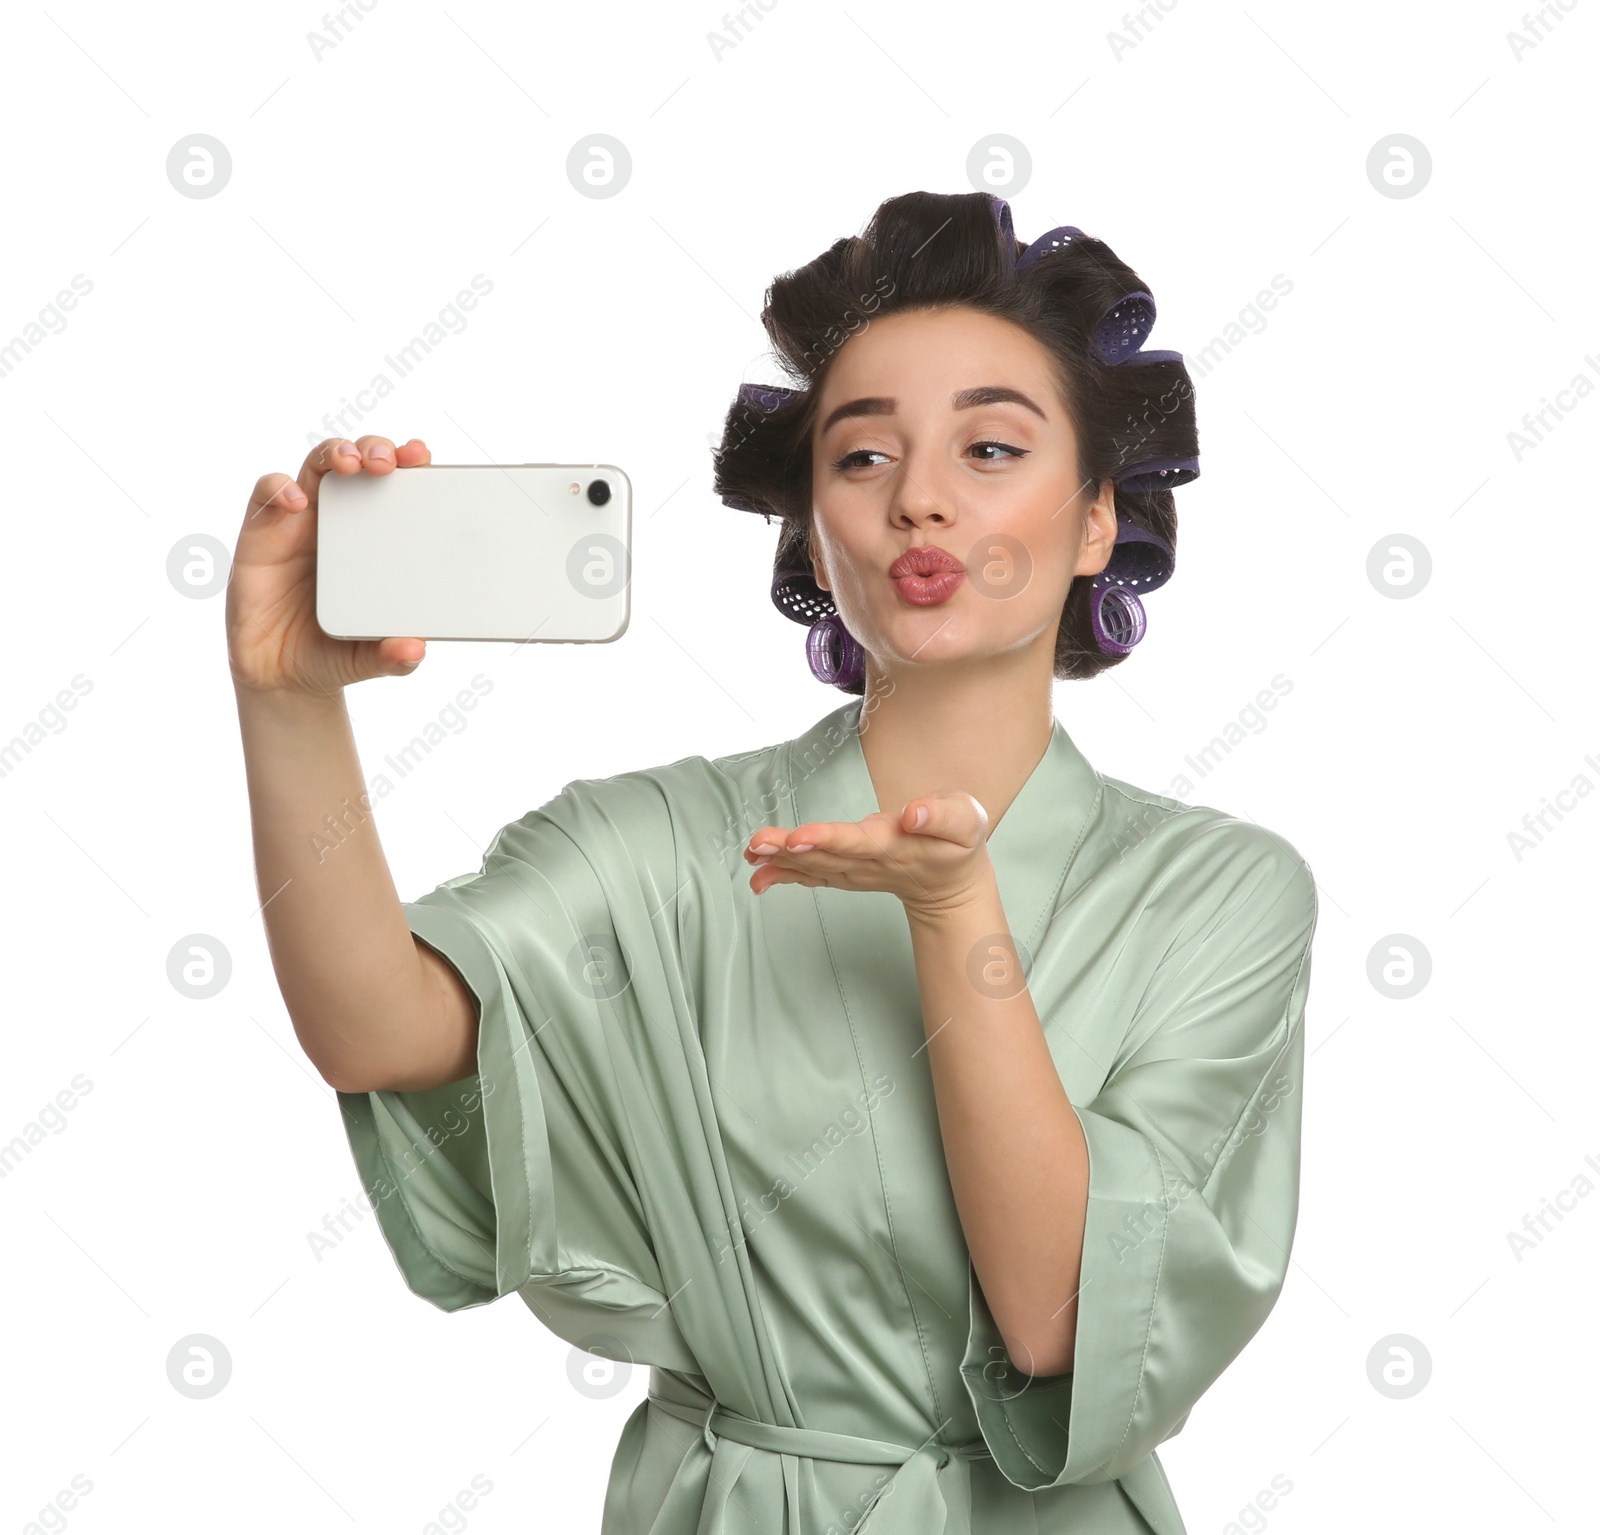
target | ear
[
  {"x": 1099, "y": 530},
  {"x": 816, "y": 564}
]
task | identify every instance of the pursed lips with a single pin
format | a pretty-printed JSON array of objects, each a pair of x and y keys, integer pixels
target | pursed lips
[{"x": 927, "y": 560}]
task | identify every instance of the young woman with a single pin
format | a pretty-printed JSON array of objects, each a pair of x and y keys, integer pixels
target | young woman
[{"x": 936, "y": 1191}]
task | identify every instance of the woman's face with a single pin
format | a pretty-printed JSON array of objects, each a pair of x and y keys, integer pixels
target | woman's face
[{"x": 913, "y": 462}]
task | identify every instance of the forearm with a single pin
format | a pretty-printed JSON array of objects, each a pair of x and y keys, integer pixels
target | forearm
[
  {"x": 1018, "y": 1163},
  {"x": 346, "y": 962}
]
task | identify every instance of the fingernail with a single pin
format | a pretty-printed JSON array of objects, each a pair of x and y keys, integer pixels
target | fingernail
[
  {"x": 349, "y": 449},
  {"x": 760, "y": 861},
  {"x": 921, "y": 817},
  {"x": 381, "y": 454},
  {"x": 801, "y": 847},
  {"x": 765, "y": 847},
  {"x": 294, "y": 495}
]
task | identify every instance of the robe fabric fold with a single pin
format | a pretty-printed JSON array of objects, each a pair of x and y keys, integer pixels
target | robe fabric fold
[{"x": 702, "y": 1138}]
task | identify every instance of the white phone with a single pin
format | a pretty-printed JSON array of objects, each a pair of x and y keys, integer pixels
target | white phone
[{"x": 535, "y": 553}]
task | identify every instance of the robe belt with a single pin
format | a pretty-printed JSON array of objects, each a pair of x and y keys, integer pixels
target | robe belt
[{"x": 930, "y": 1493}]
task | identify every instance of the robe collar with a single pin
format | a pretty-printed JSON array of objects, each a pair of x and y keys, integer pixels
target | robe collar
[{"x": 1032, "y": 848}]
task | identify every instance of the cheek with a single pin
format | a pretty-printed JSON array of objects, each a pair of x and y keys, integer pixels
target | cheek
[
  {"x": 844, "y": 553},
  {"x": 1053, "y": 537},
  {"x": 1024, "y": 561}
]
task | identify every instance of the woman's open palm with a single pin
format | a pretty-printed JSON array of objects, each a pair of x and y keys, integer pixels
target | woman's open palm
[{"x": 930, "y": 861}]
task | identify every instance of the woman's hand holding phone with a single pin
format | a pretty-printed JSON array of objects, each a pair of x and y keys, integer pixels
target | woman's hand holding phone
[
  {"x": 370, "y": 1008},
  {"x": 274, "y": 641}
]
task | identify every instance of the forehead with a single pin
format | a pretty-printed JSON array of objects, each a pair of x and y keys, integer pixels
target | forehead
[{"x": 918, "y": 355}]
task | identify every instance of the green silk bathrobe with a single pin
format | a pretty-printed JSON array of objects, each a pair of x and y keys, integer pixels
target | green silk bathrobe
[{"x": 703, "y": 1137}]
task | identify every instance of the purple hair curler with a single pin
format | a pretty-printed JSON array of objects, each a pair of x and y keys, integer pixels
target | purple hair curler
[
  {"x": 1155, "y": 474},
  {"x": 767, "y": 397},
  {"x": 1053, "y": 240},
  {"x": 795, "y": 592},
  {"x": 1141, "y": 559},
  {"x": 1122, "y": 329},
  {"x": 834, "y": 654},
  {"x": 1138, "y": 359},
  {"x": 1003, "y": 225},
  {"x": 1117, "y": 618}
]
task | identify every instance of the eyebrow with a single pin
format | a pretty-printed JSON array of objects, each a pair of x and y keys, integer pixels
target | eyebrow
[{"x": 962, "y": 399}]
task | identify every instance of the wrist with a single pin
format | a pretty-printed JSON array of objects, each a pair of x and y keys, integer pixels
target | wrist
[
  {"x": 288, "y": 704},
  {"x": 288, "y": 711},
  {"x": 940, "y": 911}
]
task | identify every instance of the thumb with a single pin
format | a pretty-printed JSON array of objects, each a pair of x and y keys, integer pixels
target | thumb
[
  {"x": 397, "y": 657},
  {"x": 954, "y": 815}
]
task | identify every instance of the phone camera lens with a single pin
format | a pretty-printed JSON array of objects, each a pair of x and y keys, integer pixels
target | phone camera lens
[{"x": 599, "y": 492}]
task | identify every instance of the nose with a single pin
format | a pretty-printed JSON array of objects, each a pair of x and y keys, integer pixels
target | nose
[{"x": 920, "y": 499}]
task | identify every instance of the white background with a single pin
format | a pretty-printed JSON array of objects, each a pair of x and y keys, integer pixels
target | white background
[{"x": 176, "y": 1195}]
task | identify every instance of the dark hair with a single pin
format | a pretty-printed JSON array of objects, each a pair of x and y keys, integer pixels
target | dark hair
[{"x": 928, "y": 250}]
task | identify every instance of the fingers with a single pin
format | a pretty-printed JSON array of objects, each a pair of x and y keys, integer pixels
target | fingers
[
  {"x": 377, "y": 455},
  {"x": 767, "y": 841},
  {"x": 405, "y": 654},
  {"x": 770, "y": 841},
  {"x": 872, "y": 853},
  {"x": 274, "y": 493},
  {"x": 764, "y": 879},
  {"x": 283, "y": 493},
  {"x": 953, "y": 815},
  {"x": 823, "y": 853},
  {"x": 380, "y": 456},
  {"x": 827, "y": 844},
  {"x": 332, "y": 453}
]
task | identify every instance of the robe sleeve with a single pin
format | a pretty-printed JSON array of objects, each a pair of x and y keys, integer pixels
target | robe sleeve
[
  {"x": 1194, "y": 1156},
  {"x": 517, "y": 1178}
]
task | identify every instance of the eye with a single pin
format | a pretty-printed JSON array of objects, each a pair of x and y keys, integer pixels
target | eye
[
  {"x": 848, "y": 461},
  {"x": 845, "y": 462},
  {"x": 1018, "y": 453}
]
